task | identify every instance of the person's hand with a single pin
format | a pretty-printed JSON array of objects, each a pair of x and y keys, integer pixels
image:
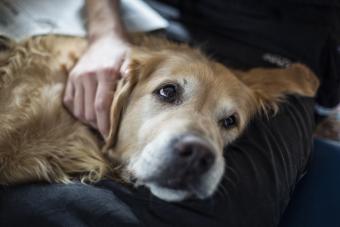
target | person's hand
[{"x": 91, "y": 83}]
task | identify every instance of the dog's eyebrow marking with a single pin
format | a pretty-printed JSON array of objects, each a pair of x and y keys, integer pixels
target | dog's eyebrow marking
[
  {"x": 185, "y": 81},
  {"x": 228, "y": 108}
]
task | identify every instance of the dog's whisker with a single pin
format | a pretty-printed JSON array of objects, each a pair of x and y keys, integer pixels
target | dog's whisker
[
  {"x": 230, "y": 182},
  {"x": 224, "y": 191}
]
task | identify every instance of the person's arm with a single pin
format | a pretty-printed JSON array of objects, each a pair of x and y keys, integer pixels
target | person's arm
[
  {"x": 103, "y": 19},
  {"x": 91, "y": 83}
]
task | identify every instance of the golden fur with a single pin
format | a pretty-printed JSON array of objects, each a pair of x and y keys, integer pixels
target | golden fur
[{"x": 41, "y": 141}]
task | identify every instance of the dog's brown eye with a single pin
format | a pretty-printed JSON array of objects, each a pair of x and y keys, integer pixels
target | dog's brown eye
[
  {"x": 168, "y": 93},
  {"x": 229, "y": 122}
]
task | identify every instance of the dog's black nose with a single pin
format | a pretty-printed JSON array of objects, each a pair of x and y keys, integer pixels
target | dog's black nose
[
  {"x": 190, "y": 157},
  {"x": 194, "y": 157}
]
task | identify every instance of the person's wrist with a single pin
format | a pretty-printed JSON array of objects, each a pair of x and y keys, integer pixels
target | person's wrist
[{"x": 113, "y": 34}]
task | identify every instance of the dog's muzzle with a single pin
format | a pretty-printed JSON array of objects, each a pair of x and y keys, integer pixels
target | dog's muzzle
[{"x": 189, "y": 158}]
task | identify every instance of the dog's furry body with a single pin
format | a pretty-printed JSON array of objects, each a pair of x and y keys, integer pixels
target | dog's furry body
[{"x": 40, "y": 140}]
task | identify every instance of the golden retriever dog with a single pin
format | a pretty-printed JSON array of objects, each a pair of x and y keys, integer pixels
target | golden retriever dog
[{"x": 171, "y": 116}]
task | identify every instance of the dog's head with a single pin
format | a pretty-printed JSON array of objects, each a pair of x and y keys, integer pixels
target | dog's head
[{"x": 173, "y": 115}]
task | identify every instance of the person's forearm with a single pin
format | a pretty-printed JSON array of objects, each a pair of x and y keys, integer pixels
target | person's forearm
[{"x": 104, "y": 18}]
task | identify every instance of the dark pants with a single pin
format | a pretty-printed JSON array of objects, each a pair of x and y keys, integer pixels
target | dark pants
[
  {"x": 316, "y": 200},
  {"x": 315, "y": 203}
]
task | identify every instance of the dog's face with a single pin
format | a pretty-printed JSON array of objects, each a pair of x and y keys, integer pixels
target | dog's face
[{"x": 181, "y": 113}]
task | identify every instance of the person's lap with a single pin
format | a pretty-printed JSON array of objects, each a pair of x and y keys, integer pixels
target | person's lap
[{"x": 316, "y": 199}]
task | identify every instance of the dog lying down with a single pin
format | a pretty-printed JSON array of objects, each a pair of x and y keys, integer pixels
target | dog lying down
[{"x": 171, "y": 116}]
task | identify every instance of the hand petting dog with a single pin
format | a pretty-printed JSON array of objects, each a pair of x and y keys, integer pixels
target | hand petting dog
[{"x": 90, "y": 87}]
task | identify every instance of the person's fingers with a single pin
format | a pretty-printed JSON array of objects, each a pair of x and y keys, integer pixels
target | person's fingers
[
  {"x": 69, "y": 95},
  {"x": 103, "y": 102},
  {"x": 124, "y": 69},
  {"x": 90, "y": 88},
  {"x": 78, "y": 101}
]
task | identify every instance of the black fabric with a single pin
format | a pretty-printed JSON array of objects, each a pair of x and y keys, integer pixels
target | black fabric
[
  {"x": 262, "y": 169},
  {"x": 316, "y": 200}
]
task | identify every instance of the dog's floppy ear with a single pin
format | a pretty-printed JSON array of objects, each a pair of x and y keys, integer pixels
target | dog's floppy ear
[
  {"x": 141, "y": 64},
  {"x": 269, "y": 85},
  {"x": 120, "y": 100}
]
